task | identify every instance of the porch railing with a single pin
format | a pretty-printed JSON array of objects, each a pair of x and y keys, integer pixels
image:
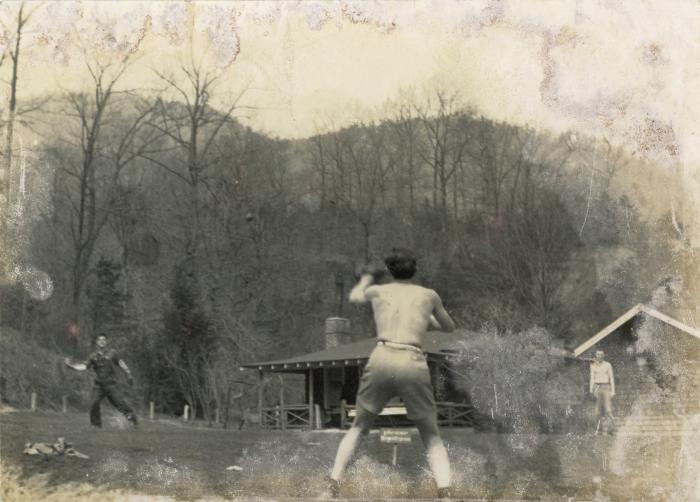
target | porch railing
[
  {"x": 448, "y": 413},
  {"x": 454, "y": 414},
  {"x": 289, "y": 416}
]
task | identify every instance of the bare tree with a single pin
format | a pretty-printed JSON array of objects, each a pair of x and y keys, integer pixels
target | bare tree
[
  {"x": 600, "y": 162},
  {"x": 14, "y": 35},
  {"x": 320, "y": 164},
  {"x": 229, "y": 181},
  {"x": 522, "y": 262},
  {"x": 369, "y": 163},
  {"x": 498, "y": 155},
  {"x": 330, "y": 164},
  {"x": 92, "y": 158},
  {"x": 14, "y": 54},
  {"x": 193, "y": 126},
  {"x": 446, "y": 145},
  {"x": 409, "y": 146}
]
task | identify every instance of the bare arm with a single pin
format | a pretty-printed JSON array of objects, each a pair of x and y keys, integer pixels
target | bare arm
[
  {"x": 441, "y": 316},
  {"x": 119, "y": 362},
  {"x": 358, "y": 293},
  {"x": 612, "y": 379},
  {"x": 125, "y": 368},
  {"x": 75, "y": 366}
]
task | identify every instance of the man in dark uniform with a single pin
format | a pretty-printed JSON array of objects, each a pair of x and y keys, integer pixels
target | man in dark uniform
[{"x": 104, "y": 362}]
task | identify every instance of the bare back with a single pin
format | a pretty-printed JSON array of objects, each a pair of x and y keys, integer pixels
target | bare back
[{"x": 402, "y": 311}]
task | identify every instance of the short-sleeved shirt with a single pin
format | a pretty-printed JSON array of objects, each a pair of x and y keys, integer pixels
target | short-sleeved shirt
[
  {"x": 601, "y": 373},
  {"x": 104, "y": 365}
]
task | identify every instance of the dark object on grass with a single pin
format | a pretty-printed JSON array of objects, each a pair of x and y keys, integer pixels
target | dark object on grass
[
  {"x": 332, "y": 488},
  {"x": 60, "y": 447},
  {"x": 444, "y": 493}
]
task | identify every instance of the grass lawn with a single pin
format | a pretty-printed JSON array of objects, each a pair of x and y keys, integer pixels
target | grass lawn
[{"x": 168, "y": 459}]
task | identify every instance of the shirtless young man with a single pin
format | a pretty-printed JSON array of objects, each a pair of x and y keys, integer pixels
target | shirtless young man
[{"x": 397, "y": 366}]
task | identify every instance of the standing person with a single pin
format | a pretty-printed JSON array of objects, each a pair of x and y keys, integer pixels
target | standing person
[
  {"x": 104, "y": 362},
  {"x": 397, "y": 366},
  {"x": 602, "y": 386}
]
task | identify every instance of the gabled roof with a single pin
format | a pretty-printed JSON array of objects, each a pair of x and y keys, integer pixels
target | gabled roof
[
  {"x": 438, "y": 345},
  {"x": 627, "y": 316}
]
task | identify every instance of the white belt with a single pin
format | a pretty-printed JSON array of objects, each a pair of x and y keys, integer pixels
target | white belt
[{"x": 400, "y": 346}]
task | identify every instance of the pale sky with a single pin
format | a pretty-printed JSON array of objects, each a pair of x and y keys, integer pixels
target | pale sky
[{"x": 628, "y": 70}]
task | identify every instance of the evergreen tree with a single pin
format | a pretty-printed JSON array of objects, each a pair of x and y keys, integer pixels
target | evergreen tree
[
  {"x": 106, "y": 302},
  {"x": 186, "y": 348}
]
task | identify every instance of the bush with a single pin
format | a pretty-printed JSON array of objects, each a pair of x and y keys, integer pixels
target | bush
[
  {"x": 28, "y": 367},
  {"x": 519, "y": 380}
]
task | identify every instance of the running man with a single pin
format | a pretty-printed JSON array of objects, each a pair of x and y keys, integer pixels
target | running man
[
  {"x": 397, "y": 366},
  {"x": 602, "y": 386},
  {"x": 104, "y": 361}
]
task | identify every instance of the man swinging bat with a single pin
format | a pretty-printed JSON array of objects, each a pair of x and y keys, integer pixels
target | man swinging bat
[
  {"x": 397, "y": 366},
  {"x": 103, "y": 362}
]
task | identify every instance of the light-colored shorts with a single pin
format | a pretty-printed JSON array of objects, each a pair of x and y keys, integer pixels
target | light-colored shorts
[{"x": 392, "y": 372}]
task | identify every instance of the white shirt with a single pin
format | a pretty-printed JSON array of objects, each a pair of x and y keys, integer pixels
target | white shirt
[{"x": 602, "y": 373}]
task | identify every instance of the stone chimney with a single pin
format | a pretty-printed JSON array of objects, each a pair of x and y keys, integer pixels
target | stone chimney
[{"x": 337, "y": 331}]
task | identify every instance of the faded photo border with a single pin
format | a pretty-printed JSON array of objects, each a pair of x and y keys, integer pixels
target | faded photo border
[{"x": 616, "y": 82}]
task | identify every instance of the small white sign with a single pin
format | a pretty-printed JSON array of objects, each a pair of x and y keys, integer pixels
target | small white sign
[{"x": 395, "y": 436}]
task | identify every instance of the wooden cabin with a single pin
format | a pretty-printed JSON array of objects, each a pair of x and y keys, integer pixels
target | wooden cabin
[
  {"x": 652, "y": 354},
  {"x": 331, "y": 379}
]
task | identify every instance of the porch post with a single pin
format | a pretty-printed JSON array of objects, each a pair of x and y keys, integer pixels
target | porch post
[
  {"x": 260, "y": 397},
  {"x": 283, "y": 415},
  {"x": 326, "y": 401},
  {"x": 311, "y": 397}
]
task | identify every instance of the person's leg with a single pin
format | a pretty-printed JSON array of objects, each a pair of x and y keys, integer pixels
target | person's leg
[
  {"x": 361, "y": 425},
  {"x": 119, "y": 403},
  {"x": 607, "y": 411},
  {"x": 599, "y": 411},
  {"x": 435, "y": 448},
  {"x": 376, "y": 388},
  {"x": 607, "y": 403},
  {"x": 417, "y": 393},
  {"x": 95, "y": 399}
]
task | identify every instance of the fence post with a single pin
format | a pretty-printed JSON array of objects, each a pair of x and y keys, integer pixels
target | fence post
[
  {"x": 317, "y": 416},
  {"x": 64, "y": 404},
  {"x": 260, "y": 398},
  {"x": 216, "y": 416},
  {"x": 33, "y": 402},
  {"x": 151, "y": 410},
  {"x": 186, "y": 414},
  {"x": 310, "y": 391}
]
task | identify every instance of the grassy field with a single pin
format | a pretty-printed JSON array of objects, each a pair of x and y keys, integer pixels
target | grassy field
[{"x": 164, "y": 459}]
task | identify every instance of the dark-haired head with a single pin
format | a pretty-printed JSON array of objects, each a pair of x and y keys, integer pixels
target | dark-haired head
[
  {"x": 401, "y": 263},
  {"x": 101, "y": 340}
]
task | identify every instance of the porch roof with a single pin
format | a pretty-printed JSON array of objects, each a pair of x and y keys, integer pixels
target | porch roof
[
  {"x": 437, "y": 346},
  {"x": 629, "y": 316}
]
